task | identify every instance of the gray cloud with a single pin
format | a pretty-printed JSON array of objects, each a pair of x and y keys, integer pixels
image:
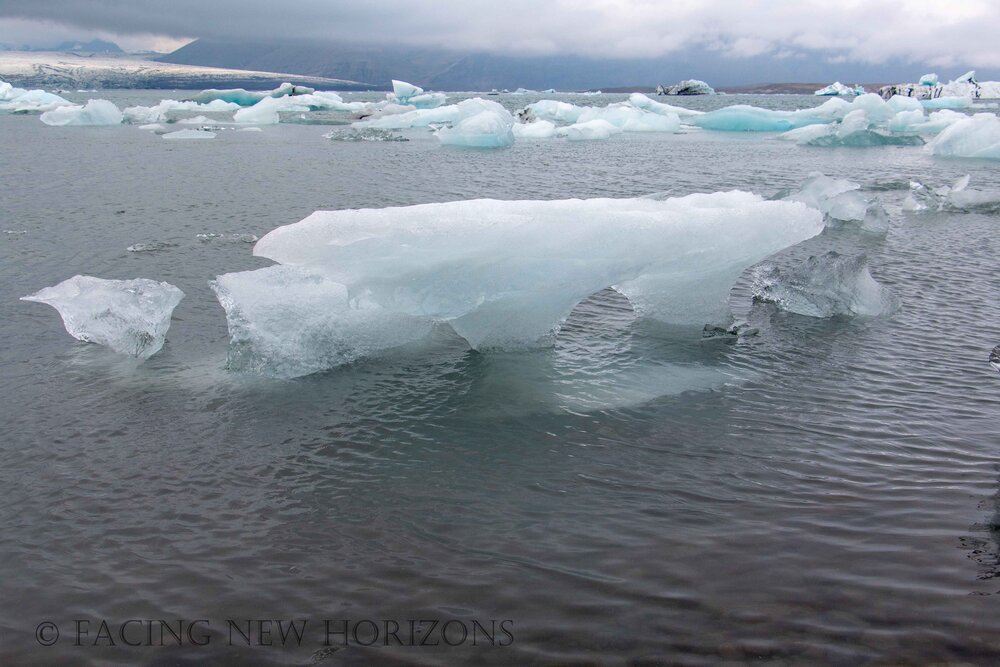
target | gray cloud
[{"x": 872, "y": 31}]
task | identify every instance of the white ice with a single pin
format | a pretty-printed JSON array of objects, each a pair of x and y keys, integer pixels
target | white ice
[
  {"x": 95, "y": 112},
  {"x": 504, "y": 274},
  {"x": 539, "y": 129},
  {"x": 129, "y": 316},
  {"x": 452, "y": 113},
  {"x": 591, "y": 130},
  {"x": 244, "y": 98},
  {"x": 841, "y": 203},
  {"x": 163, "y": 110},
  {"x": 975, "y": 137},
  {"x": 640, "y": 101},
  {"x": 32, "y": 101}
]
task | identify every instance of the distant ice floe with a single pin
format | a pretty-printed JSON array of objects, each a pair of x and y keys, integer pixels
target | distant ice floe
[
  {"x": 930, "y": 90},
  {"x": 502, "y": 274},
  {"x": 129, "y": 316},
  {"x": 824, "y": 286},
  {"x": 246, "y": 98},
  {"x": 838, "y": 89},
  {"x": 165, "y": 110},
  {"x": 189, "y": 134},
  {"x": 94, "y": 112}
]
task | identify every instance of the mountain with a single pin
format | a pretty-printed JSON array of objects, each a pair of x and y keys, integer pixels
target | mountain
[
  {"x": 93, "y": 46},
  {"x": 444, "y": 69}
]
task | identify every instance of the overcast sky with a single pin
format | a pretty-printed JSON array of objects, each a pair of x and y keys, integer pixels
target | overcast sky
[{"x": 943, "y": 33}]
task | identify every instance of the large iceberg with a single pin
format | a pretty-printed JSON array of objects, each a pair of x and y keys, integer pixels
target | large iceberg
[
  {"x": 824, "y": 286},
  {"x": 129, "y": 316},
  {"x": 502, "y": 274},
  {"x": 745, "y": 118},
  {"x": 975, "y": 137},
  {"x": 94, "y": 112},
  {"x": 686, "y": 87}
]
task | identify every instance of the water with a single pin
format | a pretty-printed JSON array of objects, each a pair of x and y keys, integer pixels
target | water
[{"x": 823, "y": 492}]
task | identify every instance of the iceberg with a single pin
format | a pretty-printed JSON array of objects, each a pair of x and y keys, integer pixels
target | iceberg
[
  {"x": 129, "y": 316},
  {"x": 841, "y": 203},
  {"x": 486, "y": 129},
  {"x": 628, "y": 118},
  {"x": 162, "y": 112},
  {"x": 745, "y": 118},
  {"x": 640, "y": 101},
  {"x": 502, "y": 274},
  {"x": 929, "y": 80},
  {"x": 824, "y": 286},
  {"x": 95, "y": 112},
  {"x": 854, "y": 130},
  {"x": 686, "y": 87},
  {"x": 957, "y": 197},
  {"x": 591, "y": 130},
  {"x": 838, "y": 89},
  {"x": 246, "y": 98},
  {"x": 452, "y": 113},
  {"x": 539, "y": 129},
  {"x": 289, "y": 321},
  {"x": 975, "y": 137},
  {"x": 552, "y": 110},
  {"x": 32, "y": 101},
  {"x": 407, "y": 94}
]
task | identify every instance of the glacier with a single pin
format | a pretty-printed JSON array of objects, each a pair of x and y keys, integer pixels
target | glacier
[
  {"x": 502, "y": 274},
  {"x": 94, "y": 112},
  {"x": 129, "y": 316},
  {"x": 824, "y": 286}
]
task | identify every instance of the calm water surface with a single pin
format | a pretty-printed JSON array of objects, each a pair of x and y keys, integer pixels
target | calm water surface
[{"x": 824, "y": 492}]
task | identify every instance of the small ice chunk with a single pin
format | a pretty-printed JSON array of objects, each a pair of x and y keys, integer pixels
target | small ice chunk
[
  {"x": 289, "y": 321},
  {"x": 995, "y": 358},
  {"x": 841, "y": 203},
  {"x": 129, "y": 316},
  {"x": 190, "y": 134},
  {"x": 824, "y": 286},
  {"x": 95, "y": 112}
]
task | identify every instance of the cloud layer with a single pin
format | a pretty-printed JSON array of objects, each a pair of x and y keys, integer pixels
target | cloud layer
[{"x": 868, "y": 31}]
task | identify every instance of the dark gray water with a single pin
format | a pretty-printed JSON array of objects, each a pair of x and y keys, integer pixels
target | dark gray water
[{"x": 824, "y": 492}]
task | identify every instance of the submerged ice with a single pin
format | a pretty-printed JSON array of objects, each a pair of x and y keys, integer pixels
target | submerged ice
[
  {"x": 823, "y": 286},
  {"x": 129, "y": 316},
  {"x": 502, "y": 274}
]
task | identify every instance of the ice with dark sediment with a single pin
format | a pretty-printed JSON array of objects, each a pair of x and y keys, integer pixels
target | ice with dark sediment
[
  {"x": 364, "y": 134},
  {"x": 823, "y": 286},
  {"x": 995, "y": 358},
  {"x": 502, "y": 274},
  {"x": 841, "y": 203},
  {"x": 129, "y": 316}
]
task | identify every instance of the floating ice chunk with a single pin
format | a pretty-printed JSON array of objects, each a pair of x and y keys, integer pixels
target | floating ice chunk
[
  {"x": 929, "y": 80},
  {"x": 956, "y": 197},
  {"x": 190, "y": 134},
  {"x": 899, "y": 103},
  {"x": 744, "y": 118},
  {"x": 33, "y": 101},
  {"x": 95, "y": 112},
  {"x": 640, "y": 101},
  {"x": 162, "y": 111},
  {"x": 841, "y": 203},
  {"x": 9, "y": 92},
  {"x": 504, "y": 274},
  {"x": 129, "y": 316},
  {"x": 249, "y": 129},
  {"x": 404, "y": 91},
  {"x": 907, "y": 121},
  {"x": 854, "y": 130},
  {"x": 687, "y": 87},
  {"x": 487, "y": 129},
  {"x": 627, "y": 118},
  {"x": 452, "y": 113},
  {"x": 289, "y": 321},
  {"x": 540, "y": 129},
  {"x": 154, "y": 127},
  {"x": 365, "y": 134},
  {"x": 196, "y": 120},
  {"x": 553, "y": 110},
  {"x": 824, "y": 286},
  {"x": 995, "y": 358},
  {"x": 245, "y": 98},
  {"x": 975, "y": 137},
  {"x": 837, "y": 88},
  {"x": 947, "y": 103},
  {"x": 590, "y": 130}
]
